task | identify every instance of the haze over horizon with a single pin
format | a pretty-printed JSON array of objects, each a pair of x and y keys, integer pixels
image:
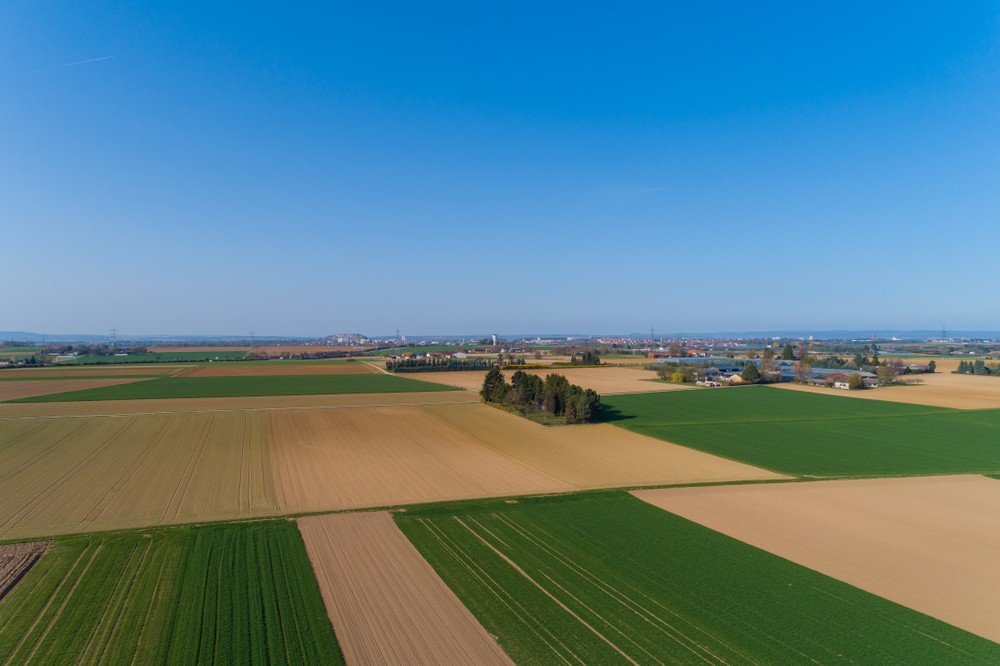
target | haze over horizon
[{"x": 433, "y": 168}]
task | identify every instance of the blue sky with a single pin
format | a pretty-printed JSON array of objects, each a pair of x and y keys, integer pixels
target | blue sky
[{"x": 472, "y": 167}]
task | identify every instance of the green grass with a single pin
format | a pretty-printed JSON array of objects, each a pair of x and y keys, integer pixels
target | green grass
[
  {"x": 816, "y": 435},
  {"x": 237, "y": 593},
  {"x": 157, "y": 357},
  {"x": 660, "y": 589},
  {"x": 216, "y": 387}
]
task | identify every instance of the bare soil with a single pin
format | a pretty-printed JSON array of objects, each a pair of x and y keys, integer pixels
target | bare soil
[
  {"x": 386, "y": 604},
  {"x": 927, "y": 543},
  {"x": 28, "y": 388},
  {"x": 15, "y": 560}
]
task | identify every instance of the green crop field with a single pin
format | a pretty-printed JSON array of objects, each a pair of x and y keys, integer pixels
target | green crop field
[
  {"x": 217, "y": 387},
  {"x": 816, "y": 435},
  {"x": 158, "y": 357},
  {"x": 230, "y": 594},
  {"x": 605, "y": 578}
]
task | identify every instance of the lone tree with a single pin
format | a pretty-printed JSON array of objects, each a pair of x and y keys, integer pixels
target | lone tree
[
  {"x": 932, "y": 366},
  {"x": 787, "y": 353},
  {"x": 494, "y": 387},
  {"x": 750, "y": 374},
  {"x": 855, "y": 382}
]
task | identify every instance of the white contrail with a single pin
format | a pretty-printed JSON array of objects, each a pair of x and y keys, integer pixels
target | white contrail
[{"x": 80, "y": 62}]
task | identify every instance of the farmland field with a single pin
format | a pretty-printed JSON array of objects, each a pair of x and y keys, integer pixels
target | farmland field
[
  {"x": 928, "y": 543},
  {"x": 239, "y": 593},
  {"x": 17, "y": 388},
  {"x": 215, "y": 387},
  {"x": 386, "y": 603},
  {"x": 817, "y": 435},
  {"x": 245, "y": 403},
  {"x": 353, "y": 458},
  {"x": 15, "y": 560},
  {"x": 90, "y": 371},
  {"x": 604, "y": 380},
  {"x": 160, "y": 357},
  {"x": 280, "y": 368},
  {"x": 939, "y": 389},
  {"x": 79, "y": 474},
  {"x": 608, "y": 579}
]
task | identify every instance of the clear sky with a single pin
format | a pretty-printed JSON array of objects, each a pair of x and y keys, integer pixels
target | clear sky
[{"x": 210, "y": 168}]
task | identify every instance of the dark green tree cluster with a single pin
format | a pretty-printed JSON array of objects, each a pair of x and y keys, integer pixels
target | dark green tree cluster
[
  {"x": 977, "y": 367},
  {"x": 588, "y": 357},
  {"x": 439, "y": 364},
  {"x": 528, "y": 394}
]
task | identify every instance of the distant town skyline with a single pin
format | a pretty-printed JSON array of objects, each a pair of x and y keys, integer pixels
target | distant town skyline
[{"x": 183, "y": 167}]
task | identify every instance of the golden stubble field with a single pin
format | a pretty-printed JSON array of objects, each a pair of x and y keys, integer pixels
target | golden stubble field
[
  {"x": 345, "y": 459},
  {"x": 927, "y": 543},
  {"x": 604, "y": 380},
  {"x": 81, "y": 474},
  {"x": 63, "y": 474},
  {"x": 385, "y": 602},
  {"x": 937, "y": 390}
]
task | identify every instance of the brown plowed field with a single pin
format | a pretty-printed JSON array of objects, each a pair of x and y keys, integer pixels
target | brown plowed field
[
  {"x": 84, "y": 371},
  {"x": 28, "y": 388},
  {"x": 606, "y": 381},
  {"x": 385, "y": 602},
  {"x": 181, "y": 405},
  {"x": 927, "y": 543},
  {"x": 80, "y": 474},
  {"x": 344, "y": 459},
  {"x": 15, "y": 560},
  {"x": 238, "y": 369},
  {"x": 938, "y": 389}
]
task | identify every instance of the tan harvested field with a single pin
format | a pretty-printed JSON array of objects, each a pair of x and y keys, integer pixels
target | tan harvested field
[
  {"x": 606, "y": 381},
  {"x": 270, "y": 350},
  {"x": 250, "y": 403},
  {"x": 385, "y": 602},
  {"x": 28, "y": 388},
  {"x": 15, "y": 560},
  {"x": 938, "y": 389},
  {"x": 160, "y": 350},
  {"x": 305, "y": 368},
  {"x": 81, "y": 474},
  {"x": 84, "y": 371},
  {"x": 346, "y": 459},
  {"x": 928, "y": 543}
]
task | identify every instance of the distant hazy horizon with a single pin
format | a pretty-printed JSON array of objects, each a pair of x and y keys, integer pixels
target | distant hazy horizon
[{"x": 177, "y": 167}]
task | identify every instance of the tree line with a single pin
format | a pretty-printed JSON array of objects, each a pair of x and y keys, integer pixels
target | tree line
[
  {"x": 439, "y": 364},
  {"x": 977, "y": 367},
  {"x": 530, "y": 395}
]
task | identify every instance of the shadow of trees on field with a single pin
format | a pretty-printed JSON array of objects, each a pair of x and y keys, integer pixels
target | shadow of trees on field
[{"x": 608, "y": 414}]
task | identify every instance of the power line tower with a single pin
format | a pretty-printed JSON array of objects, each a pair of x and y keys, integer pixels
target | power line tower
[
  {"x": 251, "y": 341},
  {"x": 944, "y": 332},
  {"x": 114, "y": 338}
]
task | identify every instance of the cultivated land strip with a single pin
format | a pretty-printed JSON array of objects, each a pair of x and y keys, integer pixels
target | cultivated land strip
[
  {"x": 927, "y": 543},
  {"x": 941, "y": 389},
  {"x": 385, "y": 602},
  {"x": 15, "y": 560},
  {"x": 14, "y": 390},
  {"x": 606, "y": 579}
]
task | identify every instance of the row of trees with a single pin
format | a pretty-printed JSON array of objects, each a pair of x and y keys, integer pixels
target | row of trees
[
  {"x": 439, "y": 364},
  {"x": 588, "y": 357},
  {"x": 977, "y": 367},
  {"x": 529, "y": 395}
]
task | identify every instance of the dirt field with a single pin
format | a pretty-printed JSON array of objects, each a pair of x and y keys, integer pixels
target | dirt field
[
  {"x": 606, "y": 381},
  {"x": 181, "y": 405},
  {"x": 345, "y": 459},
  {"x": 385, "y": 602},
  {"x": 84, "y": 371},
  {"x": 28, "y": 388},
  {"x": 938, "y": 389},
  {"x": 250, "y": 370},
  {"x": 928, "y": 543},
  {"x": 80, "y": 474},
  {"x": 15, "y": 560}
]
